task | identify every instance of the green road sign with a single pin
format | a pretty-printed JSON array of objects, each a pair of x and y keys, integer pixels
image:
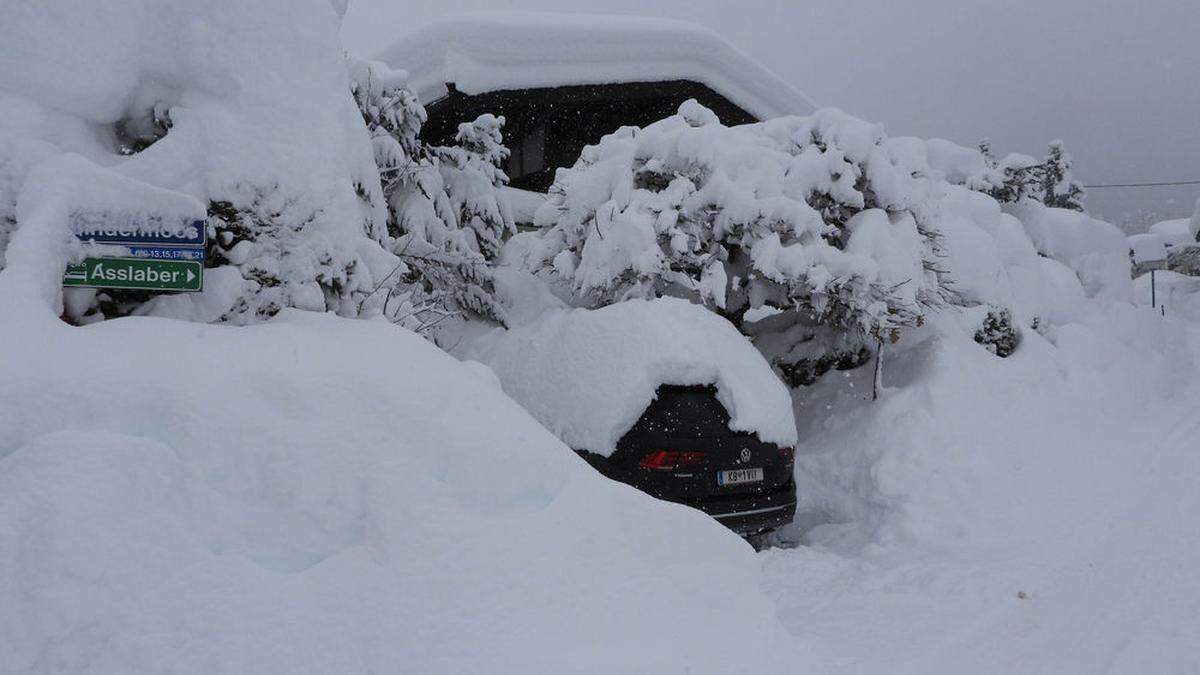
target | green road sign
[{"x": 145, "y": 274}]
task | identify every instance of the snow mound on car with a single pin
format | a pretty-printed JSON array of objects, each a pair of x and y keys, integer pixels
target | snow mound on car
[{"x": 588, "y": 375}]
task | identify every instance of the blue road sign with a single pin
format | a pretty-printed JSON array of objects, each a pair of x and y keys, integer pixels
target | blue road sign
[
  {"x": 137, "y": 229},
  {"x": 166, "y": 253}
]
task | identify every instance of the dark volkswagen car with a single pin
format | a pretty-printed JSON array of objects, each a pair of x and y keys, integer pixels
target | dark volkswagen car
[{"x": 682, "y": 450}]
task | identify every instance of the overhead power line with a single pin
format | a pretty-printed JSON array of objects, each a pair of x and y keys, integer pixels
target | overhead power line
[{"x": 1130, "y": 185}]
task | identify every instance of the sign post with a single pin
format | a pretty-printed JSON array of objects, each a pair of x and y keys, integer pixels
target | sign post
[{"x": 164, "y": 254}]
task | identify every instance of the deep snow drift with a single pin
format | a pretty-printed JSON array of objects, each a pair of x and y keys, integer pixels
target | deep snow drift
[
  {"x": 317, "y": 494},
  {"x": 1032, "y": 514}
]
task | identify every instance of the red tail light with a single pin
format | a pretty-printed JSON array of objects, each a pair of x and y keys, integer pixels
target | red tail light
[
  {"x": 667, "y": 460},
  {"x": 787, "y": 453}
]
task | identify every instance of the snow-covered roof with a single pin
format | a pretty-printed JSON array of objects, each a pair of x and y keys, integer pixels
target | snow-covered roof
[{"x": 494, "y": 51}]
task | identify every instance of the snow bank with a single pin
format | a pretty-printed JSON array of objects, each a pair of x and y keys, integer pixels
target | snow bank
[
  {"x": 1097, "y": 251},
  {"x": 988, "y": 515},
  {"x": 320, "y": 495},
  {"x": 588, "y": 375},
  {"x": 492, "y": 51},
  {"x": 992, "y": 260},
  {"x": 315, "y": 494},
  {"x": 524, "y": 203},
  {"x": 966, "y": 447}
]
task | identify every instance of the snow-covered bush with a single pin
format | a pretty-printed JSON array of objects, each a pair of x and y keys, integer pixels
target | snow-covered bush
[
  {"x": 817, "y": 216},
  {"x": 446, "y": 217},
  {"x": 998, "y": 334}
]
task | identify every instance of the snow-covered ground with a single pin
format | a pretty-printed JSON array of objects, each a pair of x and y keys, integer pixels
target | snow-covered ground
[
  {"x": 1031, "y": 514},
  {"x": 319, "y": 494},
  {"x": 313, "y": 493}
]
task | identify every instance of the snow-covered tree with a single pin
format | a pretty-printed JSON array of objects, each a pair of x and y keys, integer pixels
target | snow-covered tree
[
  {"x": 1057, "y": 188},
  {"x": 471, "y": 173},
  {"x": 816, "y": 221},
  {"x": 1017, "y": 177},
  {"x": 1010, "y": 179},
  {"x": 446, "y": 218}
]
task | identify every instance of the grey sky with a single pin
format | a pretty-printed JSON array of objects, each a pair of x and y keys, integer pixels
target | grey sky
[{"x": 1117, "y": 80}]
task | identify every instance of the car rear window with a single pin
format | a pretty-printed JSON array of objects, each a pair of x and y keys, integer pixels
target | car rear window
[{"x": 685, "y": 412}]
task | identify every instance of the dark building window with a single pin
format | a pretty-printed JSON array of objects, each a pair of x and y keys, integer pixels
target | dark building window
[{"x": 528, "y": 152}]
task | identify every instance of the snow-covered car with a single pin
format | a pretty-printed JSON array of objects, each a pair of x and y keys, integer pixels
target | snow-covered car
[
  {"x": 682, "y": 450},
  {"x": 663, "y": 395}
]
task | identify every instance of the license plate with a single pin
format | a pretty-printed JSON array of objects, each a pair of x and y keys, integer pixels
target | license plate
[{"x": 739, "y": 476}]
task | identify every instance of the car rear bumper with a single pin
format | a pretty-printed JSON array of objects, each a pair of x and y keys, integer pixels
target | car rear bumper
[
  {"x": 755, "y": 521},
  {"x": 752, "y": 514},
  {"x": 746, "y": 513}
]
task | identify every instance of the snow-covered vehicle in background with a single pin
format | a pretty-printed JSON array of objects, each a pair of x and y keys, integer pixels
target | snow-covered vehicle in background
[{"x": 663, "y": 395}]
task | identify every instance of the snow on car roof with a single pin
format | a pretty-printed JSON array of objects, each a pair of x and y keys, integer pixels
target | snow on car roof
[
  {"x": 493, "y": 51},
  {"x": 588, "y": 375}
]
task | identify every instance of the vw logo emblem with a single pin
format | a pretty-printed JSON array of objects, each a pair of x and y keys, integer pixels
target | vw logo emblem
[{"x": 745, "y": 455}]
